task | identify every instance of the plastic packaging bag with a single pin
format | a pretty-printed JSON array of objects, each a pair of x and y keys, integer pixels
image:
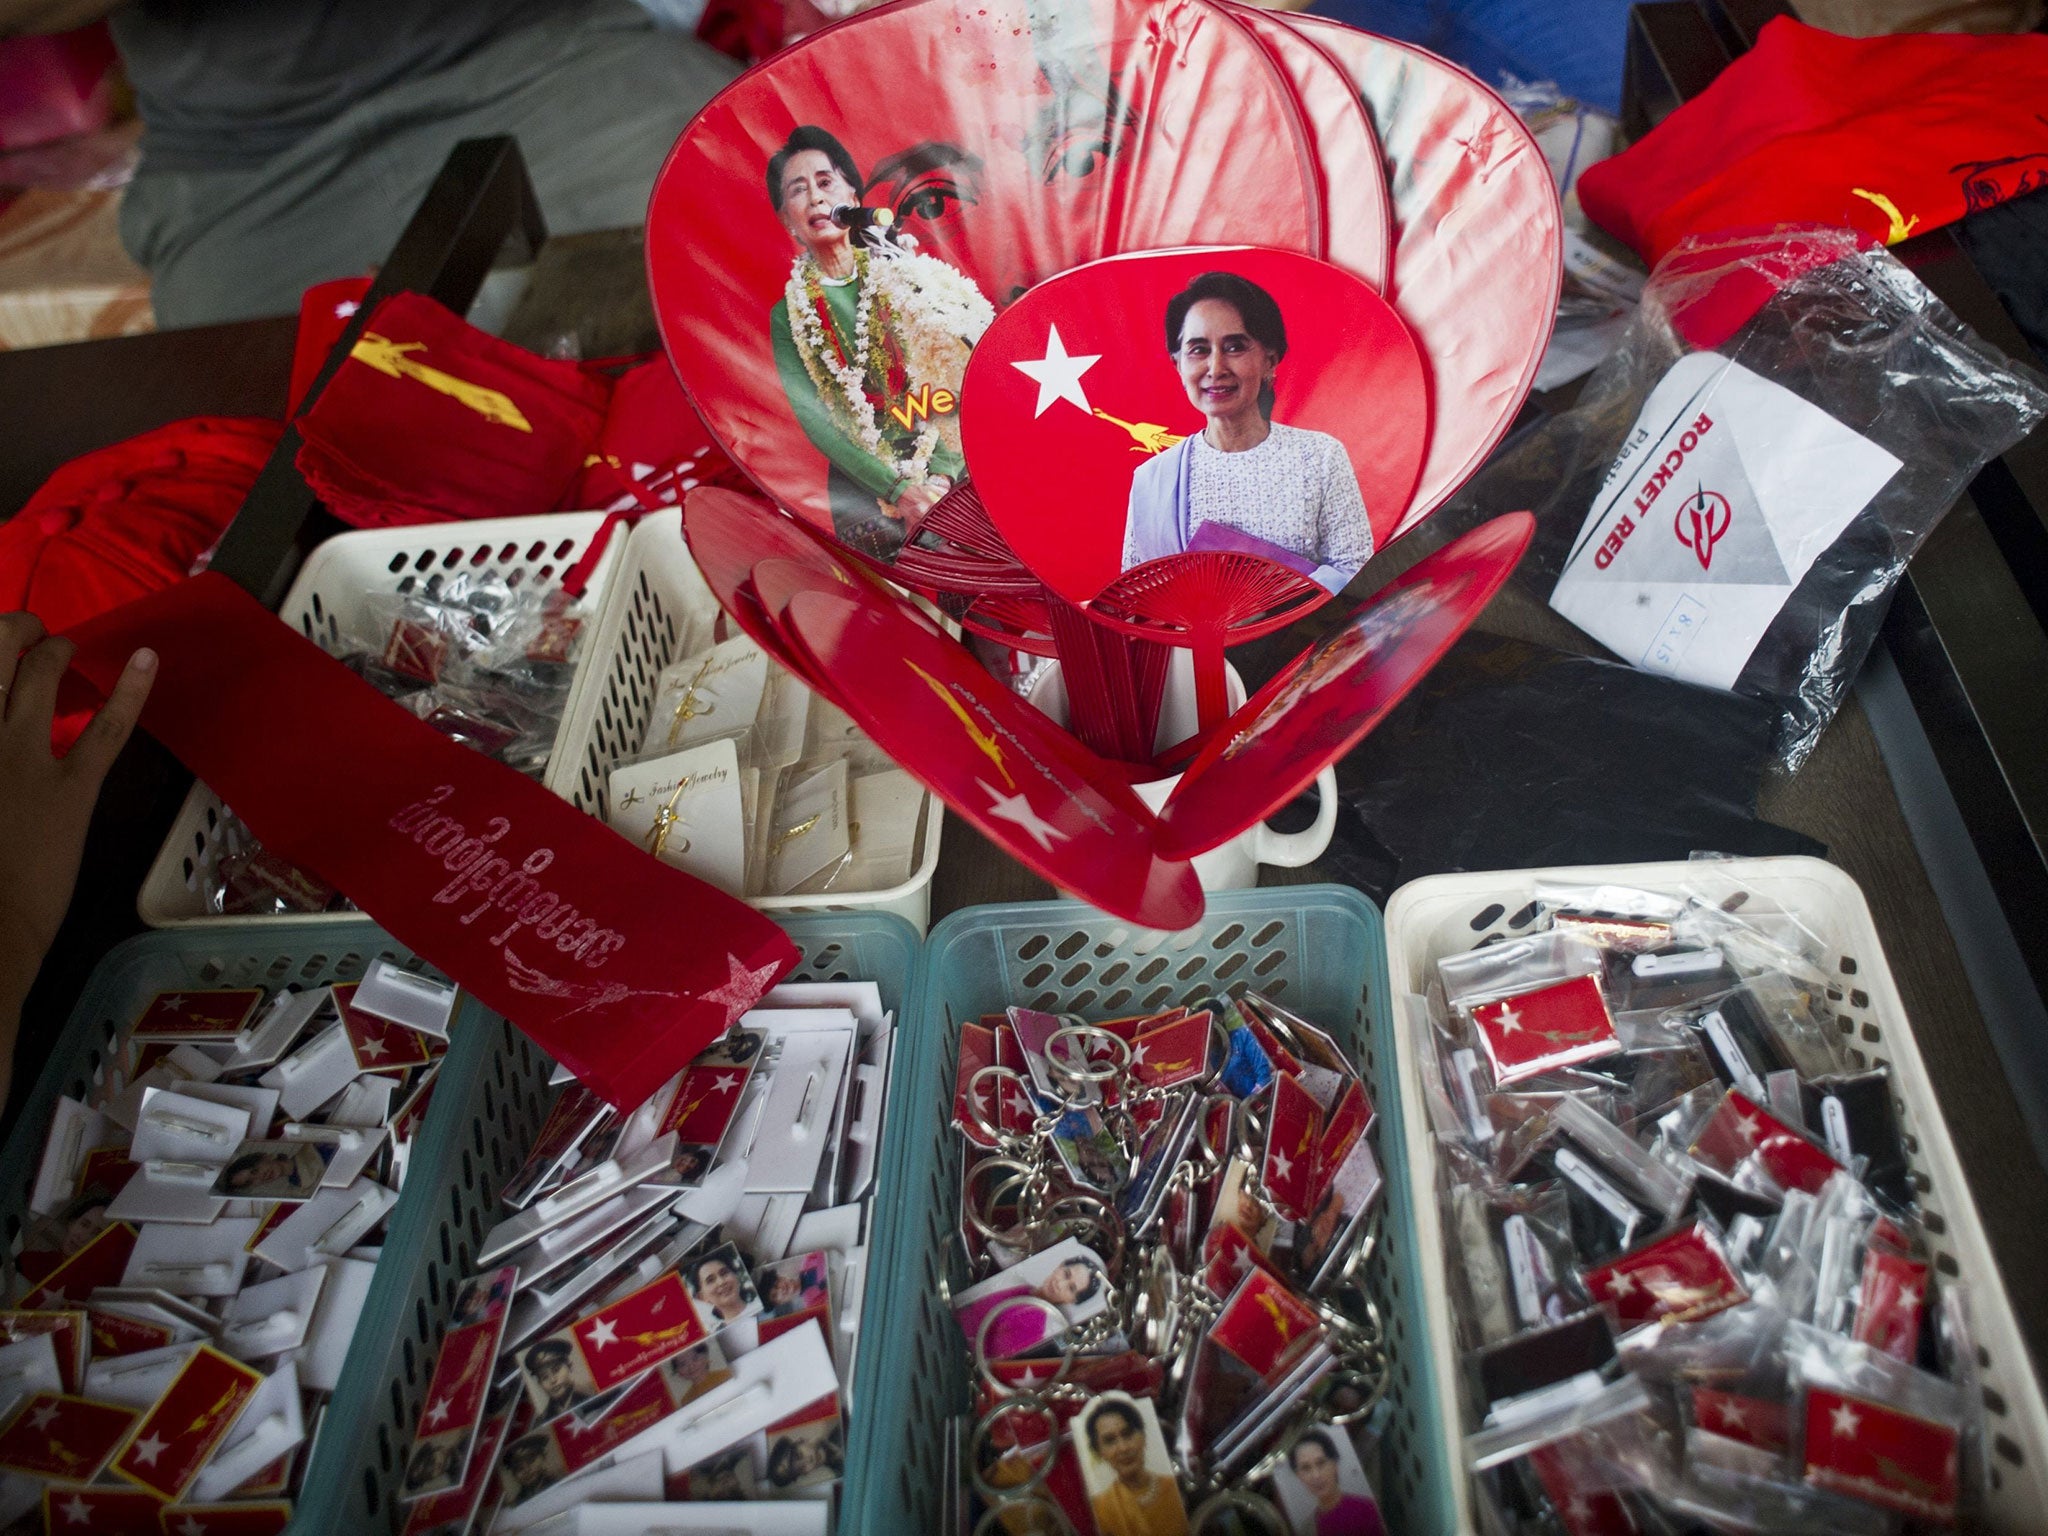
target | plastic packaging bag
[{"x": 1741, "y": 484}]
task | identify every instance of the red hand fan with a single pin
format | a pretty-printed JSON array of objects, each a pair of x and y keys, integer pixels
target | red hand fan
[
  {"x": 1011, "y": 141},
  {"x": 1479, "y": 241},
  {"x": 1350, "y": 172},
  {"x": 994, "y": 759},
  {"x": 729, "y": 532},
  {"x": 1327, "y": 700}
]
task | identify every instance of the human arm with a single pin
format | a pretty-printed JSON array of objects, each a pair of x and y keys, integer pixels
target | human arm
[
  {"x": 851, "y": 457},
  {"x": 1344, "y": 541},
  {"x": 46, "y": 802},
  {"x": 32, "y": 16}
]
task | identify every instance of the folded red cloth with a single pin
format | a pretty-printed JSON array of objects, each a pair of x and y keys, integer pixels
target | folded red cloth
[
  {"x": 1888, "y": 136},
  {"x": 430, "y": 419}
]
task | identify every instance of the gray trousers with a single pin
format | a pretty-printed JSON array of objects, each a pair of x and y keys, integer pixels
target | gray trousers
[{"x": 595, "y": 95}]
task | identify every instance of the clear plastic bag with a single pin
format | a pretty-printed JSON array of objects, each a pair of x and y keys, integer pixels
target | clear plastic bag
[{"x": 1741, "y": 483}]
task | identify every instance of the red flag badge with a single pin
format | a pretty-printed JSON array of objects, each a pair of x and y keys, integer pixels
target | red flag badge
[
  {"x": 1349, "y": 1118},
  {"x": 706, "y": 1100},
  {"x": 977, "y": 1050},
  {"x": 1229, "y": 1257},
  {"x": 1759, "y": 1421},
  {"x": 1294, "y": 1122},
  {"x": 1738, "y": 1128},
  {"x": 197, "y": 1014},
  {"x": 102, "y": 1511},
  {"x": 63, "y": 1439},
  {"x": 1540, "y": 1031},
  {"x": 1584, "y": 1511},
  {"x": 100, "y": 1262},
  {"x": 266, "y": 1519},
  {"x": 181, "y": 1432},
  {"x": 1888, "y": 1304},
  {"x": 1880, "y": 1455},
  {"x": 378, "y": 1044},
  {"x": 114, "y": 1335},
  {"x": 69, "y": 1332},
  {"x": 1679, "y": 1279}
]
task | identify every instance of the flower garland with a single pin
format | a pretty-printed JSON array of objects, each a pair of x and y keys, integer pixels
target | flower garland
[{"x": 914, "y": 323}]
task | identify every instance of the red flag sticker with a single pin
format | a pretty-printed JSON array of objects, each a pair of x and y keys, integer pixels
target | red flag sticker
[
  {"x": 1294, "y": 1124},
  {"x": 997, "y": 761},
  {"x": 102, "y": 1511},
  {"x": 1293, "y": 361},
  {"x": 543, "y": 915},
  {"x": 100, "y": 1262},
  {"x": 1019, "y": 143},
  {"x": 181, "y": 1432},
  {"x": 1348, "y": 1120},
  {"x": 1880, "y": 1455},
  {"x": 64, "y": 1439},
  {"x": 1331, "y": 696},
  {"x": 1266, "y": 1325},
  {"x": 1170, "y": 1054},
  {"x": 266, "y": 1519},
  {"x": 114, "y": 1335},
  {"x": 68, "y": 1331},
  {"x": 197, "y": 1014},
  {"x": 1888, "y": 1304},
  {"x": 977, "y": 1050},
  {"x": 1536, "y": 1032},
  {"x": 1679, "y": 1279},
  {"x": 378, "y": 1044}
]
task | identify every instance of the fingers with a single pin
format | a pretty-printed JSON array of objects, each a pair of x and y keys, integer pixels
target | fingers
[
  {"x": 18, "y": 631},
  {"x": 101, "y": 741},
  {"x": 33, "y": 695}
]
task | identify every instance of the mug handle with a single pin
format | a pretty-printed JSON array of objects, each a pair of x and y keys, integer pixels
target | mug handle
[{"x": 1291, "y": 850}]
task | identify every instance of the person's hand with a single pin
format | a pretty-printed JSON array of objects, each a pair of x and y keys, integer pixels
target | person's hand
[
  {"x": 914, "y": 503},
  {"x": 45, "y": 801}
]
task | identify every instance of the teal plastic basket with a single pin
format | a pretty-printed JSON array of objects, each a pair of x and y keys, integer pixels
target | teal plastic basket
[
  {"x": 492, "y": 1099},
  {"x": 1318, "y": 949},
  {"x": 233, "y": 955}
]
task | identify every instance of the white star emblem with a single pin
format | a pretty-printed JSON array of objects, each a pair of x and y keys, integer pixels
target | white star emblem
[
  {"x": 372, "y": 1047},
  {"x": 346, "y": 308},
  {"x": 1241, "y": 1260},
  {"x": 42, "y": 1417},
  {"x": 1732, "y": 1416},
  {"x": 1058, "y": 374},
  {"x": 148, "y": 1448},
  {"x": 1019, "y": 1105},
  {"x": 1028, "y": 1379},
  {"x": 53, "y": 1299},
  {"x": 1016, "y": 809},
  {"x": 439, "y": 1411},
  {"x": 77, "y": 1511},
  {"x": 725, "y": 1082},
  {"x": 1282, "y": 1165},
  {"x": 742, "y": 989},
  {"x": 1621, "y": 1283},
  {"x": 602, "y": 1332},
  {"x": 1138, "y": 1056},
  {"x": 1509, "y": 1020},
  {"x": 176, "y": 1003},
  {"x": 1748, "y": 1127},
  {"x": 1846, "y": 1421},
  {"x": 190, "y": 1527}
]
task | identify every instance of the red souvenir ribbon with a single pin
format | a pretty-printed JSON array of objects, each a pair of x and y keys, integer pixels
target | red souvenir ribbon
[{"x": 621, "y": 967}]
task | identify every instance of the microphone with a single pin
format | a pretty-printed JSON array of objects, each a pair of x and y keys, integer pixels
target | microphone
[{"x": 860, "y": 219}]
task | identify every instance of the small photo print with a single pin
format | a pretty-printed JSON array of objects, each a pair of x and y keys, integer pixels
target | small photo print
[
  {"x": 806, "y": 1456},
  {"x": 691, "y": 1161},
  {"x": 484, "y": 1297},
  {"x": 531, "y": 1464},
  {"x": 274, "y": 1170},
  {"x": 695, "y": 1371},
  {"x": 1323, "y": 1488},
  {"x": 556, "y": 1378},
  {"x": 736, "y": 1048},
  {"x": 1124, "y": 1466},
  {"x": 794, "y": 1285},
  {"x": 1338, "y": 1219},
  {"x": 437, "y": 1462},
  {"x": 724, "y": 1478},
  {"x": 720, "y": 1287},
  {"x": 1070, "y": 1275}
]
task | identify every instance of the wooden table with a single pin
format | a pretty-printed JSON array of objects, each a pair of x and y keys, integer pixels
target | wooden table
[{"x": 592, "y": 287}]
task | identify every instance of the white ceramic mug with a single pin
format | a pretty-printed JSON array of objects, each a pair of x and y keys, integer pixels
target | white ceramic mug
[{"x": 1234, "y": 865}]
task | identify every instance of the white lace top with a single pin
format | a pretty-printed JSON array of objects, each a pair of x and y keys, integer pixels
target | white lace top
[{"x": 1296, "y": 489}]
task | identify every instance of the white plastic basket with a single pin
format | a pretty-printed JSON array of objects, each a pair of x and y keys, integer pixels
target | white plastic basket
[
  {"x": 329, "y": 600},
  {"x": 1448, "y": 914},
  {"x": 658, "y": 599}
]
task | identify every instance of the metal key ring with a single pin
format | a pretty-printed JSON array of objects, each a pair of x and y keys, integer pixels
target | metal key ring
[
  {"x": 1004, "y": 1509},
  {"x": 995, "y": 1130},
  {"x": 1022, "y": 1402},
  {"x": 979, "y": 1214},
  {"x": 1156, "y": 1310},
  {"x": 1237, "y": 1501},
  {"x": 1090, "y": 1074},
  {"x": 1370, "y": 1389}
]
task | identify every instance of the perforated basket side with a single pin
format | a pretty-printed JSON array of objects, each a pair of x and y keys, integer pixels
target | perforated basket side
[
  {"x": 86, "y": 1057},
  {"x": 1445, "y": 914},
  {"x": 329, "y": 604},
  {"x": 659, "y": 603},
  {"x": 1315, "y": 948},
  {"x": 489, "y": 1106}
]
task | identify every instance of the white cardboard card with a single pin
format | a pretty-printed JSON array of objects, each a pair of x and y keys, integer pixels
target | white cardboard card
[
  {"x": 316, "y": 1072},
  {"x": 273, "y": 1316},
  {"x": 269, "y": 1425},
  {"x": 389, "y": 991},
  {"x": 808, "y": 831},
  {"x": 277, "y": 1028},
  {"x": 175, "y": 1127},
  {"x": 74, "y": 1131},
  {"x": 714, "y": 693},
  {"x": 687, "y": 809},
  {"x": 191, "y": 1261},
  {"x": 335, "y": 1315}
]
